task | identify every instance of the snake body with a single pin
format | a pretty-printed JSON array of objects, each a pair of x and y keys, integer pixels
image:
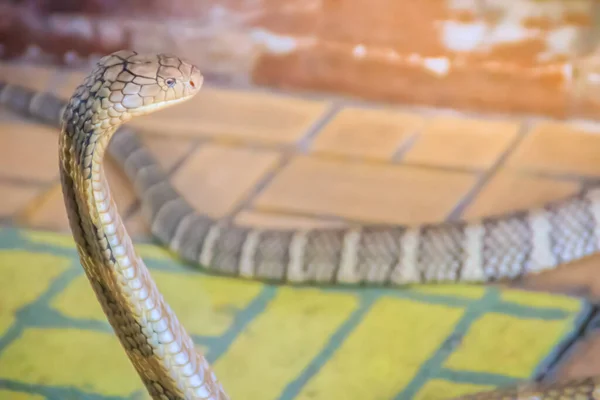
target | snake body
[
  {"x": 126, "y": 84},
  {"x": 122, "y": 86}
]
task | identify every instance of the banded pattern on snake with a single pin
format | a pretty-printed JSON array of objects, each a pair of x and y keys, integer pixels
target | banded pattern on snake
[
  {"x": 492, "y": 248},
  {"x": 126, "y": 84}
]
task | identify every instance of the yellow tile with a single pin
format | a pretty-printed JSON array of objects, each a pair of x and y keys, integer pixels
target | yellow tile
[
  {"x": 50, "y": 238},
  {"x": 366, "y": 192},
  {"x": 156, "y": 252},
  {"x": 461, "y": 142},
  {"x": 208, "y": 306},
  {"x": 510, "y": 191},
  {"x": 10, "y": 395},
  {"x": 215, "y": 178},
  {"x": 525, "y": 342},
  {"x": 28, "y": 151},
  {"x": 559, "y": 148},
  {"x": 440, "y": 389},
  {"x": 149, "y": 251},
  {"x": 282, "y": 340},
  {"x": 366, "y": 133},
  {"x": 244, "y": 115},
  {"x": 70, "y": 357},
  {"x": 540, "y": 299},
  {"x": 25, "y": 276},
  {"x": 364, "y": 368},
  {"x": 282, "y": 221},
  {"x": 33, "y": 77},
  {"x": 464, "y": 291}
]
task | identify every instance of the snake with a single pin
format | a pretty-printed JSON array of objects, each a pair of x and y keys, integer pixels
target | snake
[{"x": 127, "y": 84}]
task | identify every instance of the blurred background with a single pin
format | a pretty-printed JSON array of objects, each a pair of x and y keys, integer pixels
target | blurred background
[
  {"x": 315, "y": 113},
  {"x": 459, "y": 53}
]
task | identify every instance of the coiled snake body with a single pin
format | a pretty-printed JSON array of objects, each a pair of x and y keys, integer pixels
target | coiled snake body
[{"x": 126, "y": 84}]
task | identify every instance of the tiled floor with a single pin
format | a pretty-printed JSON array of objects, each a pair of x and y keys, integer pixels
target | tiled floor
[{"x": 280, "y": 160}]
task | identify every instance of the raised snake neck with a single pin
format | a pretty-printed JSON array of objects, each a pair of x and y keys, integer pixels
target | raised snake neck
[
  {"x": 155, "y": 342},
  {"x": 122, "y": 86}
]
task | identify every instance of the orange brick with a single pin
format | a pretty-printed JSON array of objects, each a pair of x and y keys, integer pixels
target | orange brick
[
  {"x": 33, "y": 77},
  {"x": 461, "y": 142},
  {"x": 376, "y": 193},
  {"x": 559, "y": 148},
  {"x": 51, "y": 213},
  {"x": 28, "y": 151},
  {"x": 282, "y": 221},
  {"x": 243, "y": 115},
  {"x": 215, "y": 178},
  {"x": 510, "y": 191},
  {"x": 16, "y": 197},
  {"x": 366, "y": 133}
]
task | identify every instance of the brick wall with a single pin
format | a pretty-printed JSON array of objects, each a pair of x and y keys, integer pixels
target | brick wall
[{"x": 507, "y": 55}]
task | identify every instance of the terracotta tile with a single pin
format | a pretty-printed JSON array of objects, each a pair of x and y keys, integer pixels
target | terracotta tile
[
  {"x": 583, "y": 360},
  {"x": 69, "y": 82},
  {"x": 377, "y": 193},
  {"x": 510, "y": 190},
  {"x": 48, "y": 213},
  {"x": 33, "y": 77},
  {"x": 577, "y": 278},
  {"x": 51, "y": 214},
  {"x": 215, "y": 178},
  {"x": 460, "y": 142},
  {"x": 282, "y": 221},
  {"x": 366, "y": 133},
  {"x": 120, "y": 187},
  {"x": 28, "y": 151},
  {"x": 168, "y": 151},
  {"x": 559, "y": 148},
  {"x": 14, "y": 198},
  {"x": 137, "y": 227},
  {"x": 244, "y": 115}
]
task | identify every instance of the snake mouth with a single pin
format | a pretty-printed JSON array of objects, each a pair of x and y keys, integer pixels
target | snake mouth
[{"x": 150, "y": 108}]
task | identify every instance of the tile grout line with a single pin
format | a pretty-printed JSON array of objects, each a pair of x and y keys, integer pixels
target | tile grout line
[
  {"x": 428, "y": 369},
  {"x": 336, "y": 340},
  {"x": 408, "y": 144},
  {"x": 302, "y": 146},
  {"x": 486, "y": 175},
  {"x": 24, "y": 214},
  {"x": 404, "y": 148}
]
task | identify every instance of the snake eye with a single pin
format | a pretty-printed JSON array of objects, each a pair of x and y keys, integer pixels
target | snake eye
[{"x": 170, "y": 82}]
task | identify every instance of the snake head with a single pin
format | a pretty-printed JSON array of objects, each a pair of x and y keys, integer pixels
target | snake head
[{"x": 125, "y": 84}]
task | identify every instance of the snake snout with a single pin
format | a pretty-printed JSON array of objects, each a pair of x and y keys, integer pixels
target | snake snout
[{"x": 196, "y": 79}]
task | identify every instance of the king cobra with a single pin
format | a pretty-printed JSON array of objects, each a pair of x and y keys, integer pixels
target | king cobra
[{"x": 126, "y": 84}]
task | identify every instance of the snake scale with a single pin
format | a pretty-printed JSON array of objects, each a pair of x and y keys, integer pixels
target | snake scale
[{"x": 126, "y": 84}]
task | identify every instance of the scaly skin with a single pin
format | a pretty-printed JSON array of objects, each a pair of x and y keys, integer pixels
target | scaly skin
[{"x": 124, "y": 85}]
